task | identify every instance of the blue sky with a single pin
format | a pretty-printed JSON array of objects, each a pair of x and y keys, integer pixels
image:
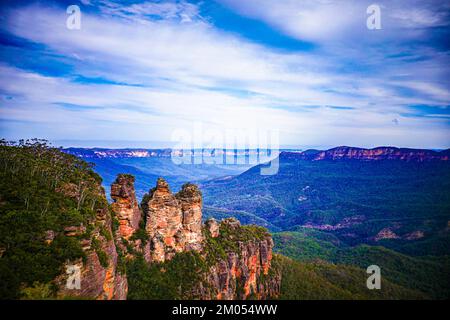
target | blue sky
[{"x": 143, "y": 70}]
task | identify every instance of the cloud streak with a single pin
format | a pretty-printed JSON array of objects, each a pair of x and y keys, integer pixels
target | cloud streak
[{"x": 138, "y": 72}]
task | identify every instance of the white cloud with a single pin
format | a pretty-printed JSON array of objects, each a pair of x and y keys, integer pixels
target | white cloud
[
  {"x": 328, "y": 21},
  {"x": 308, "y": 20},
  {"x": 188, "y": 71}
]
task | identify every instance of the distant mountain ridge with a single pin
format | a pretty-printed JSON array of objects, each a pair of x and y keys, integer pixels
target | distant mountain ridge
[
  {"x": 117, "y": 153},
  {"x": 161, "y": 153},
  {"x": 378, "y": 153},
  {"x": 337, "y": 153}
]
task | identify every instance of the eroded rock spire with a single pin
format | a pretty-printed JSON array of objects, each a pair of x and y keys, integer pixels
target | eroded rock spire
[
  {"x": 125, "y": 205},
  {"x": 173, "y": 222}
]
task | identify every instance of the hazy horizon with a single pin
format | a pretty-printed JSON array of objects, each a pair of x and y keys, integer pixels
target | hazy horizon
[{"x": 168, "y": 145}]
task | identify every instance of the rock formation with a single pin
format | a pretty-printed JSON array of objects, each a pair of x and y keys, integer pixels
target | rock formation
[
  {"x": 173, "y": 222},
  {"x": 100, "y": 277},
  {"x": 239, "y": 268},
  {"x": 379, "y": 153},
  {"x": 128, "y": 216},
  {"x": 174, "y": 225},
  {"x": 190, "y": 200},
  {"x": 386, "y": 233},
  {"x": 125, "y": 205},
  {"x": 213, "y": 227},
  {"x": 244, "y": 273}
]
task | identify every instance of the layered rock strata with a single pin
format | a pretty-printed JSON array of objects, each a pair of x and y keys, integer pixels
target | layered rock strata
[
  {"x": 245, "y": 272},
  {"x": 375, "y": 154},
  {"x": 98, "y": 274},
  {"x": 173, "y": 222},
  {"x": 125, "y": 205}
]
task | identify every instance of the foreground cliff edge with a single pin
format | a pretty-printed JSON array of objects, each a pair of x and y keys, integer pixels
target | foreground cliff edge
[{"x": 55, "y": 220}]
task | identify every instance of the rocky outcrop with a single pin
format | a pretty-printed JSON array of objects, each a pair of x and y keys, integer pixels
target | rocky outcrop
[
  {"x": 212, "y": 225},
  {"x": 100, "y": 277},
  {"x": 415, "y": 235},
  {"x": 379, "y": 153},
  {"x": 128, "y": 218},
  {"x": 247, "y": 268},
  {"x": 173, "y": 222},
  {"x": 245, "y": 271},
  {"x": 386, "y": 233},
  {"x": 125, "y": 205},
  {"x": 239, "y": 257},
  {"x": 190, "y": 201}
]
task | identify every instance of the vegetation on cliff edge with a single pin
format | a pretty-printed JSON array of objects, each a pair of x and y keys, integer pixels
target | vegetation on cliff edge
[{"x": 42, "y": 192}]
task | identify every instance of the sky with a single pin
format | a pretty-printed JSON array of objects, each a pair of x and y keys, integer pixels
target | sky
[{"x": 146, "y": 73}]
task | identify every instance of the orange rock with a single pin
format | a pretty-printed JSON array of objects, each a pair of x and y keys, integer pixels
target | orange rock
[{"x": 173, "y": 222}]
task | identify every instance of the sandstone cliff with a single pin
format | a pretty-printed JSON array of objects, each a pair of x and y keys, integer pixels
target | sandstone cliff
[
  {"x": 173, "y": 222},
  {"x": 125, "y": 205},
  {"x": 244, "y": 270},
  {"x": 379, "y": 153},
  {"x": 128, "y": 218},
  {"x": 100, "y": 278}
]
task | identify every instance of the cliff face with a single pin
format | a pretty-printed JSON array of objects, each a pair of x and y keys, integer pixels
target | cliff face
[
  {"x": 125, "y": 205},
  {"x": 128, "y": 218},
  {"x": 173, "y": 222},
  {"x": 100, "y": 277},
  {"x": 190, "y": 200},
  {"x": 244, "y": 271},
  {"x": 379, "y": 153}
]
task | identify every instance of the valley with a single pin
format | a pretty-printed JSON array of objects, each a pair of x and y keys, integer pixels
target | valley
[{"x": 349, "y": 206}]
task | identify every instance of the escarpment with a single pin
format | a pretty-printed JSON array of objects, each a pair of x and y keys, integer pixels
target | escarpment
[
  {"x": 60, "y": 238},
  {"x": 242, "y": 258},
  {"x": 56, "y": 237},
  {"x": 375, "y": 154},
  {"x": 99, "y": 273}
]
